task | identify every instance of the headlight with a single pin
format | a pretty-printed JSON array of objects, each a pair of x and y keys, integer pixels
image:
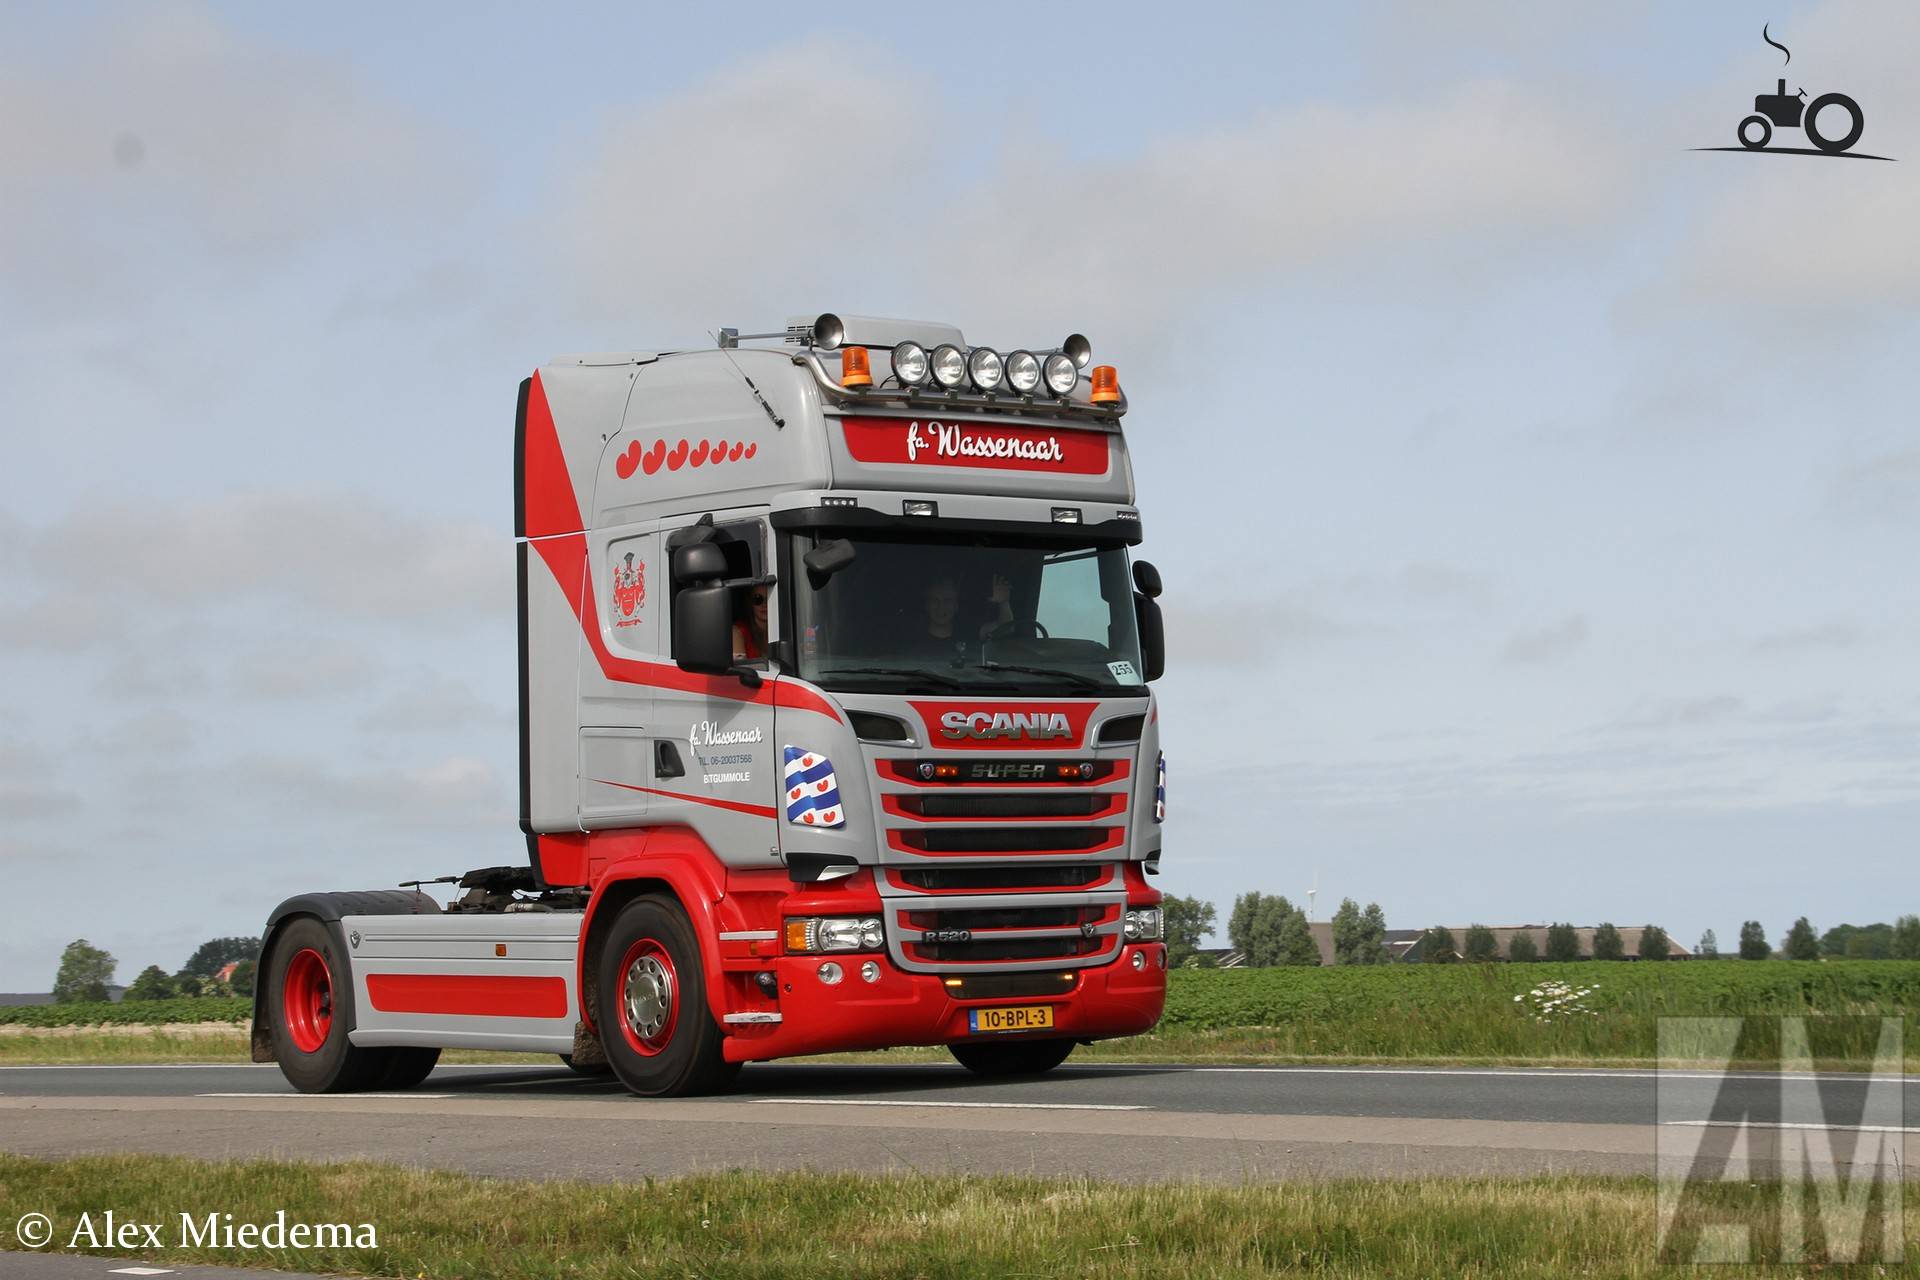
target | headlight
[
  {"x": 1023, "y": 371},
  {"x": 986, "y": 368},
  {"x": 949, "y": 366},
  {"x": 910, "y": 364},
  {"x": 1142, "y": 924},
  {"x": 1063, "y": 375},
  {"x": 834, "y": 933}
]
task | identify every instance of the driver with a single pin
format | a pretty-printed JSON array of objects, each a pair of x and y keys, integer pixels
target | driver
[{"x": 941, "y": 611}]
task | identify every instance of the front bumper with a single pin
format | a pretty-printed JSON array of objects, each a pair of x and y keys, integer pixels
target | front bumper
[{"x": 903, "y": 1008}]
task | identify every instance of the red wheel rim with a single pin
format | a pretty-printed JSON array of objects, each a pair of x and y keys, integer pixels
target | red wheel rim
[
  {"x": 649, "y": 997},
  {"x": 307, "y": 997}
]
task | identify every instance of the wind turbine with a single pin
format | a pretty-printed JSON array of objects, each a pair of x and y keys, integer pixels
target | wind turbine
[{"x": 1312, "y": 894}]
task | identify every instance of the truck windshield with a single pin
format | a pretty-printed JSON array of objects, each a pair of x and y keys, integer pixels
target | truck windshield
[{"x": 925, "y": 613}]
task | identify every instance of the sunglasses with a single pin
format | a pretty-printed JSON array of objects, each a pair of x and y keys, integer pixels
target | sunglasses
[{"x": 758, "y": 598}]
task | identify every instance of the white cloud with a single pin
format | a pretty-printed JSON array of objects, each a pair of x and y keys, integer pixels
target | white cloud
[{"x": 1547, "y": 644}]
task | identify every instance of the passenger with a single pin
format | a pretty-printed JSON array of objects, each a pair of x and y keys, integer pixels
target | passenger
[
  {"x": 750, "y": 632},
  {"x": 942, "y": 609}
]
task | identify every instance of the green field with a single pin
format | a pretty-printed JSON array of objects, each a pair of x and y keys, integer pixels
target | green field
[
  {"x": 1393, "y": 1013},
  {"x": 751, "y": 1225}
]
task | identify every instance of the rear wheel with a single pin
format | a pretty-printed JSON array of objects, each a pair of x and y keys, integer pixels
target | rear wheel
[
  {"x": 310, "y": 1009},
  {"x": 407, "y": 1067},
  {"x": 1856, "y": 122},
  {"x": 651, "y": 1004},
  {"x": 1012, "y": 1057}
]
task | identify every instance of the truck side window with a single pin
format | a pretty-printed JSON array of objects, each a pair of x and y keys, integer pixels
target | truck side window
[{"x": 744, "y": 544}]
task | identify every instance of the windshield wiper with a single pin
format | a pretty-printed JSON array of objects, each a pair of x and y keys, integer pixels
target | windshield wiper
[
  {"x": 1078, "y": 681},
  {"x": 915, "y": 673}
]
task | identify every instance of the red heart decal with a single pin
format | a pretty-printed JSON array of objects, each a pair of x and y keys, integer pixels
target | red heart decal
[
  {"x": 794, "y": 794},
  {"x": 806, "y": 817},
  {"x": 650, "y": 462},
  {"x": 699, "y": 456},
  {"x": 821, "y": 785},
  {"x": 806, "y": 762},
  {"x": 624, "y": 464},
  {"x": 719, "y": 452},
  {"x": 733, "y": 454},
  {"x": 678, "y": 458},
  {"x": 752, "y": 448}
]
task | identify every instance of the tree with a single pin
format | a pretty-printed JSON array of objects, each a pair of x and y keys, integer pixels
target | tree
[
  {"x": 243, "y": 975},
  {"x": 1188, "y": 922},
  {"x": 1906, "y": 938},
  {"x": 85, "y": 971},
  {"x": 1709, "y": 948},
  {"x": 1607, "y": 944},
  {"x": 1802, "y": 943},
  {"x": 152, "y": 984},
  {"x": 216, "y": 954},
  {"x": 1359, "y": 937},
  {"x": 1858, "y": 941},
  {"x": 1438, "y": 947},
  {"x": 1753, "y": 942},
  {"x": 1482, "y": 947},
  {"x": 1374, "y": 923},
  {"x": 1522, "y": 949},
  {"x": 1296, "y": 939},
  {"x": 1259, "y": 928},
  {"x": 189, "y": 984},
  {"x": 1654, "y": 943},
  {"x": 1563, "y": 943}
]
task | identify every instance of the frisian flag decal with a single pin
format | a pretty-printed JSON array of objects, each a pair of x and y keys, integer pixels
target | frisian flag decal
[{"x": 813, "y": 793}]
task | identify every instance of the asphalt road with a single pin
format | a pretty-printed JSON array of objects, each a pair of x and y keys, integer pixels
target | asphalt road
[{"x": 1125, "y": 1122}]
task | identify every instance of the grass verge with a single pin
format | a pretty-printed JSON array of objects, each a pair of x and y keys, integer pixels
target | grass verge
[{"x": 752, "y": 1225}]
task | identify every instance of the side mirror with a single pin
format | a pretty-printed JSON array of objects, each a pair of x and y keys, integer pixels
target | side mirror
[
  {"x": 1153, "y": 636},
  {"x": 826, "y": 560},
  {"x": 702, "y": 610},
  {"x": 1146, "y": 579}
]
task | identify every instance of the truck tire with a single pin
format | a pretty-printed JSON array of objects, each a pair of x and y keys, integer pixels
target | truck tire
[
  {"x": 310, "y": 1008},
  {"x": 1012, "y": 1057},
  {"x": 651, "y": 1004},
  {"x": 407, "y": 1067}
]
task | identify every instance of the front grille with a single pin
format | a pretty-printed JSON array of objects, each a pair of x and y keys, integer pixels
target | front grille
[
  {"x": 1002, "y": 772},
  {"x": 1005, "y": 917},
  {"x": 1063, "y": 947},
  {"x": 1008, "y": 840},
  {"x": 1081, "y": 805},
  {"x": 1058, "y": 876}
]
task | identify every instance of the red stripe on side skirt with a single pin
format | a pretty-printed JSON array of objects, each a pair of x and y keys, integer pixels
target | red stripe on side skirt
[{"x": 506, "y": 996}]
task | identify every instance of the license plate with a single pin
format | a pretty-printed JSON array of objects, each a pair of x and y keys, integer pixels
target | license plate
[{"x": 1025, "y": 1017}]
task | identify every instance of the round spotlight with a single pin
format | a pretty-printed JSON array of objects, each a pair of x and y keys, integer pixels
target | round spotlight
[
  {"x": 1079, "y": 348},
  {"x": 1062, "y": 374},
  {"x": 869, "y": 971},
  {"x": 910, "y": 364},
  {"x": 831, "y": 973},
  {"x": 1023, "y": 371},
  {"x": 986, "y": 368},
  {"x": 949, "y": 366},
  {"x": 828, "y": 332}
]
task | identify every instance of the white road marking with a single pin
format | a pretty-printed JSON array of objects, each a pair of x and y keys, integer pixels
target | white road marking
[
  {"x": 1790, "y": 1124},
  {"x": 335, "y": 1095},
  {"x": 141, "y": 1271},
  {"x": 996, "y": 1106},
  {"x": 1536, "y": 1073}
]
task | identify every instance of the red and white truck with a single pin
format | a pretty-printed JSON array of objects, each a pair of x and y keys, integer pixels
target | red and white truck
[{"x": 836, "y": 731}]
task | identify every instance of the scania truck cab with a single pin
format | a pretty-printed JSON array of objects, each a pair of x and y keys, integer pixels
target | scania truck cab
[{"x": 837, "y": 731}]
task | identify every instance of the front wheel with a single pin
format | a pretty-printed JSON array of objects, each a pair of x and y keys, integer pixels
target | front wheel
[
  {"x": 651, "y": 1004},
  {"x": 1856, "y": 122},
  {"x": 1012, "y": 1058},
  {"x": 1751, "y": 140}
]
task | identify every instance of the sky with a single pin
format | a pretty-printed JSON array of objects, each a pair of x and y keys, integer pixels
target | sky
[{"x": 1537, "y": 497}]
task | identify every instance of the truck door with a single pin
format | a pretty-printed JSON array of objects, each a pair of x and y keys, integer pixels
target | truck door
[
  {"x": 617, "y": 729},
  {"x": 720, "y": 730}
]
